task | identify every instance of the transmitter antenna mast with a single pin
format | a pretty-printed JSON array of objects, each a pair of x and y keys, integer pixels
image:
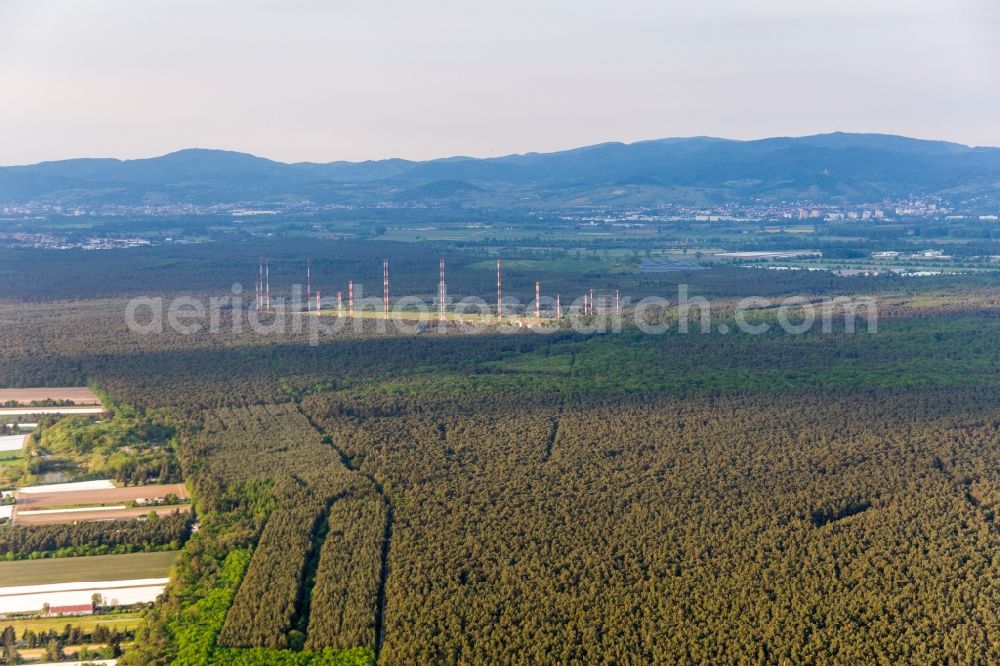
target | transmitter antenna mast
[
  {"x": 442, "y": 293},
  {"x": 499, "y": 291},
  {"x": 385, "y": 287}
]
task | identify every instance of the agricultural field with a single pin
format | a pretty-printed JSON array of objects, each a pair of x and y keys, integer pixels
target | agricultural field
[
  {"x": 71, "y": 395},
  {"x": 126, "y": 621},
  {"x": 98, "y": 568},
  {"x": 120, "y": 580},
  {"x": 38, "y": 411},
  {"x": 61, "y": 640},
  {"x": 11, "y": 459},
  {"x": 95, "y": 500},
  {"x": 47, "y": 497},
  {"x": 102, "y": 514},
  {"x": 38, "y": 656},
  {"x": 10, "y": 443},
  {"x": 58, "y": 489},
  {"x": 35, "y": 403},
  {"x": 35, "y": 598},
  {"x": 11, "y": 466}
]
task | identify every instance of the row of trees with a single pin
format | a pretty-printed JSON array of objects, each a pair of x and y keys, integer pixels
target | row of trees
[
  {"x": 156, "y": 532},
  {"x": 55, "y": 642},
  {"x": 76, "y": 635}
]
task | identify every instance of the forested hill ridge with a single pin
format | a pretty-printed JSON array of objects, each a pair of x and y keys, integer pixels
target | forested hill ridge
[{"x": 835, "y": 168}]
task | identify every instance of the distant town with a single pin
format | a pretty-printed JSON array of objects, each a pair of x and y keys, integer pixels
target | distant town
[
  {"x": 16, "y": 230},
  {"x": 729, "y": 212}
]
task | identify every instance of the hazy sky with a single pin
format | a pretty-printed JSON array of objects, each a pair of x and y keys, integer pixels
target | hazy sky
[{"x": 363, "y": 79}]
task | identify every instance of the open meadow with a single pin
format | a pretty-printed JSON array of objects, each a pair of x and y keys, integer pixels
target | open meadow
[{"x": 77, "y": 569}]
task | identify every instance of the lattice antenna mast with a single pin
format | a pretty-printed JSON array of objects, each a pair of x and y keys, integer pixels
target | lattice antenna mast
[
  {"x": 558, "y": 308},
  {"x": 442, "y": 292},
  {"x": 618, "y": 302},
  {"x": 309, "y": 290},
  {"x": 538, "y": 299},
  {"x": 260, "y": 284},
  {"x": 340, "y": 303},
  {"x": 267, "y": 284},
  {"x": 499, "y": 291},
  {"x": 350, "y": 298},
  {"x": 385, "y": 287}
]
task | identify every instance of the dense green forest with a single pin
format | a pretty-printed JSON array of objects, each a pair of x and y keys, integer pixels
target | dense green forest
[{"x": 552, "y": 498}]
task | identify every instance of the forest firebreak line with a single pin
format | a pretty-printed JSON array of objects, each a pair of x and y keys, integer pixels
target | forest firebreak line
[
  {"x": 551, "y": 440},
  {"x": 308, "y": 582},
  {"x": 386, "y": 535},
  {"x": 383, "y": 576}
]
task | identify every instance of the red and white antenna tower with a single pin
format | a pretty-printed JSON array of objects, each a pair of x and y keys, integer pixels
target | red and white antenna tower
[
  {"x": 442, "y": 293},
  {"x": 350, "y": 298},
  {"x": 591, "y": 301},
  {"x": 267, "y": 284},
  {"x": 385, "y": 287},
  {"x": 260, "y": 284},
  {"x": 499, "y": 291},
  {"x": 263, "y": 287},
  {"x": 538, "y": 300},
  {"x": 309, "y": 290}
]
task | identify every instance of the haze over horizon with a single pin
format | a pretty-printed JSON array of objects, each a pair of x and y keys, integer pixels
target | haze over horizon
[
  {"x": 312, "y": 81},
  {"x": 467, "y": 155}
]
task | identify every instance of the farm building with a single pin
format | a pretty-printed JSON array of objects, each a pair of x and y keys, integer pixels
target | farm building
[{"x": 62, "y": 611}]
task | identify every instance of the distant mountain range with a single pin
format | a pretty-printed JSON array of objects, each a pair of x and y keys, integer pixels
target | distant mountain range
[{"x": 825, "y": 168}]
